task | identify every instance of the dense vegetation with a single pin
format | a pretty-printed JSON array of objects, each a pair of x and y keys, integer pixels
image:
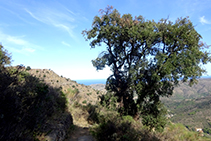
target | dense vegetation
[
  {"x": 147, "y": 59},
  {"x": 26, "y": 103}
]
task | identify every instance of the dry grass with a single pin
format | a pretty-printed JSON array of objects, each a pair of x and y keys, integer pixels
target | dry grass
[{"x": 72, "y": 90}]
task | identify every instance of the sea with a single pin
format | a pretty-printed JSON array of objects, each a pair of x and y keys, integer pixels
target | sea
[
  {"x": 103, "y": 81},
  {"x": 91, "y": 81}
]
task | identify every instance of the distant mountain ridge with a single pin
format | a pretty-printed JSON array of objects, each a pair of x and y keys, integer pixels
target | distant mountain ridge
[{"x": 183, "y": 91}]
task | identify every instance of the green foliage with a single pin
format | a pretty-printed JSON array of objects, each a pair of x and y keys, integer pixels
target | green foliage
[
  {"x": 76, "y": 104},
  {"x": 89, "y": 93},
  {"x": 147, "y": 59},
  {"x": 193, "y": 112},
  {"x": 178, "y": 132},
  {"x": 72, "y": 92},
  {"x": 5, "y": 58},
  {"x": 155, "y": 117},
  {"x": 113, "y": 127},
  {"x": 84, "y": 102},
  {"x": 28, "y": 68},
  {"x": 109, "y": 101},
  {"x": 25, "y": 103},
  {"x": 207, "y": 130}
]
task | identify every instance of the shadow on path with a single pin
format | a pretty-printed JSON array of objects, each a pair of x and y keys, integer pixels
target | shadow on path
[{"x": 80, "y": 134}]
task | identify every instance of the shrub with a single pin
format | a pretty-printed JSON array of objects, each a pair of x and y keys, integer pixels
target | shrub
[
  {"x": 89, "y": 94},
  {"x": 207, "y": 130},
  {"x": 112, "y": 127},
  {"x": 25, "y": 105},
  {"x": 28, "y": 68}
]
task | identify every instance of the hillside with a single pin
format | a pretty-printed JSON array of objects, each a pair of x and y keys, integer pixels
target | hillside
[
  {"x": 81, "y": 116},
  {"x": 191, "y": 106},
  {"x": 193, "y": 113},
  {"x": 184, "y": 91},
  {"x": 69, "y": 87},
  {"x": 100, "y": 87},
  {"x": 38, "y": 104}
]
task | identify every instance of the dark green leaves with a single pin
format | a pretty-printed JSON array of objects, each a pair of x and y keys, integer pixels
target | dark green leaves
[{"x": 147, "y": 58}]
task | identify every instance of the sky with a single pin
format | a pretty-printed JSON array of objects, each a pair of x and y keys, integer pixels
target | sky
[{"x": 46, "y": 34}]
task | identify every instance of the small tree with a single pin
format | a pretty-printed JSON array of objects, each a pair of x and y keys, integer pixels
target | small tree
[
  {"x": 5, "y": 58},
  {"x": 28, "y": 68},
  {"x": 147, "y": 58}
]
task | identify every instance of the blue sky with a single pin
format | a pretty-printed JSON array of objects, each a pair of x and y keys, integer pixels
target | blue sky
[{"x": 47, "y": 34}]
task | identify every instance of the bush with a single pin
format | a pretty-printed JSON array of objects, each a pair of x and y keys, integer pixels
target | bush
[
  {"x": 89, "y": 94},
  {"x": 84, "y": 102},
  {"x": 28, "y": 68},
  {"x": 207, "y": 130},
  {"x": 178, "y": 132},
  {"x": 113, "y": 127},
  {"x": 25, "y": 104}
]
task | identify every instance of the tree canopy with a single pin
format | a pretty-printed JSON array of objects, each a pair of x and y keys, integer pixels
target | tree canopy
[{"x": 147, "y": 58}]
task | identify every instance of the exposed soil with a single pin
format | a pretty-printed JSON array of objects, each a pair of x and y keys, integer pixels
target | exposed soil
[{"x": 80, "y": 134}]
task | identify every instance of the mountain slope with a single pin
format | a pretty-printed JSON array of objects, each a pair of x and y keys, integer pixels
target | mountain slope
[
  {"x": 191, "y": 106},
  {"x": 72, "y": 89}
]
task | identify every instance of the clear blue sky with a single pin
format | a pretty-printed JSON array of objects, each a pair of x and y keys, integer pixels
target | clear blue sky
[{"x": 46, "y": 34}]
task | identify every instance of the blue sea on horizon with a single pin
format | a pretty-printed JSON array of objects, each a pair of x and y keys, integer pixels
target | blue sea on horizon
[
  {"x": 103, "y": 81},
  {"x": 91, "y": 81}
]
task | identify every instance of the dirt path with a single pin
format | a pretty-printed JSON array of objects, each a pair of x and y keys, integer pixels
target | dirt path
[
  {"x": 80, "y": 134},
  {"x": 81, "y": 126}
]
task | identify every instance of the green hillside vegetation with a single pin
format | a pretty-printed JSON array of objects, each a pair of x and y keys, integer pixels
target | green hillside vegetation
[
  {"x": 191, "y": 106},
  {"x": 192, "y": 113}
]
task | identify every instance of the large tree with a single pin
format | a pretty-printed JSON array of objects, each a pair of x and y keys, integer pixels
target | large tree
[{"x": 147, "y": 58}]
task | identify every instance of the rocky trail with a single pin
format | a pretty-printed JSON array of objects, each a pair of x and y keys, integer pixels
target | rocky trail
[{"x": 80, "y": 134}]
